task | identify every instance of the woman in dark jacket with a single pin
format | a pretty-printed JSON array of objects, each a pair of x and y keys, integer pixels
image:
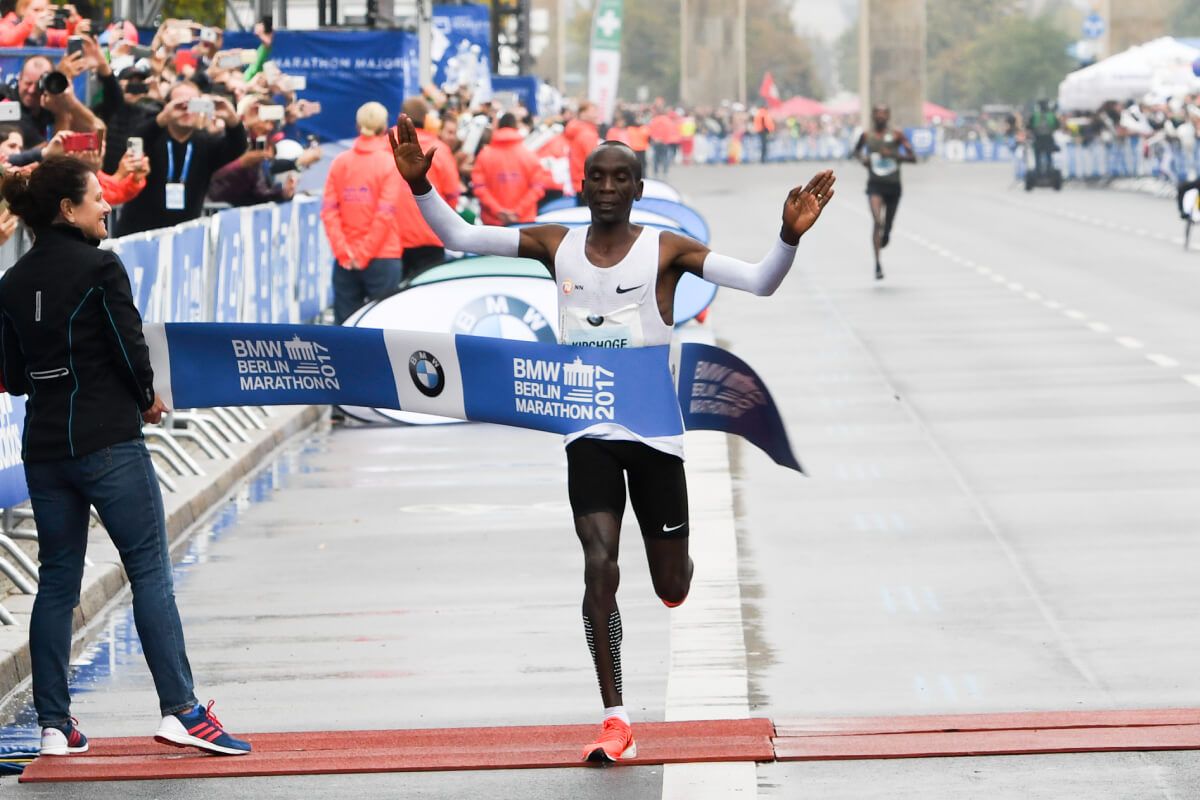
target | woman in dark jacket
[{"x": 71, "y": 338}]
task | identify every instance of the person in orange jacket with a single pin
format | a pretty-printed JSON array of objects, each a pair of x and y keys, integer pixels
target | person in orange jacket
[
  {"x": 359, "y": 213},
  {"x": 639, "y": 138},
  {"x": 664, "y": 133},
  {"x": 507, "y": 177},
  {"x": 583, "y": 135},
  {"x": 764, "y": 126},
  {"x": 422, "y": 247},
  {"x": 555, "y": 158}
]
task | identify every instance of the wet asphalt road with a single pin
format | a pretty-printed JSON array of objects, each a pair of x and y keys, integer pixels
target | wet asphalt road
[{"x": 1000, "y": 515}]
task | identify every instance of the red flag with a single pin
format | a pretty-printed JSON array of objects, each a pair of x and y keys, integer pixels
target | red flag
[{"x": 767, "y": 91}]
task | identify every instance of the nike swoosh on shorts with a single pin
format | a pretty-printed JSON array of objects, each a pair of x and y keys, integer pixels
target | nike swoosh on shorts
[{"x": 673, "y": 528}]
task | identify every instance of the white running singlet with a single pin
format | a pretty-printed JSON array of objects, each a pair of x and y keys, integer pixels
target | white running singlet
[{"x": 612, "y": 307}]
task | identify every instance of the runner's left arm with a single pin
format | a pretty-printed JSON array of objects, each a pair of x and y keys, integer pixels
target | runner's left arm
[
  {"x": 800, "y": 212},
  {"x": 904, "y": 151}
]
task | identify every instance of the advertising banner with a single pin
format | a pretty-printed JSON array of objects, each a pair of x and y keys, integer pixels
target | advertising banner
[
  {"x": 229, "y": 260},
  {"x": 461, "y": 49},
  {"x": 604, "y": 64},
  {"x": 13, "y": 490},
  {"x": 527, "y": 384}
]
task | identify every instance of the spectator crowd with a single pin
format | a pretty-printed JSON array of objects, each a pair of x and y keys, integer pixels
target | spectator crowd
[{"x": 168, "y": 125}]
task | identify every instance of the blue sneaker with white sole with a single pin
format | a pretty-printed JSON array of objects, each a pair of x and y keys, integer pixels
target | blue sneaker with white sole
[{"x": 200, "y": 728}]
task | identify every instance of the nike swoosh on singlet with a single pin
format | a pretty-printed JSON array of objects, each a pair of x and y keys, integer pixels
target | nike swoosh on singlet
[{"x": 630, "y": 289}]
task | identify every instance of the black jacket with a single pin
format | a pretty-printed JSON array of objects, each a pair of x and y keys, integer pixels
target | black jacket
[
  {"x": 123, "y": 120},
  {"x": 148, "y": 210},
  {"x": 71, "y": 338}
]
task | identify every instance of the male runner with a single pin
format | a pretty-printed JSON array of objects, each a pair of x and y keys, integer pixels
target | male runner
[
  {"x": 882, "y": 150},
  {"x": 616, "y": 287}
]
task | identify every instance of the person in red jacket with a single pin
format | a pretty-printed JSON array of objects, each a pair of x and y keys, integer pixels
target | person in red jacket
[
  {"x": 664, "y": 133},
  {"x": 359, "y": 213},
  {"x": 29, "y": 25},
  {"x": 422, "y": 247},
  {"x": 507, "y": 177},
  {"x": 583, "y": 135},
  {"x": 555, "y": 157}
]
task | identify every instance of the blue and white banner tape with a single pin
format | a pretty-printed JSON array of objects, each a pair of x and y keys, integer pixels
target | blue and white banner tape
[{"x": 536, "y": 385}]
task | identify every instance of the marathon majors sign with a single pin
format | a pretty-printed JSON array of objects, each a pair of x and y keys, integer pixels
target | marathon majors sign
[{"x": 526, "y": 384}]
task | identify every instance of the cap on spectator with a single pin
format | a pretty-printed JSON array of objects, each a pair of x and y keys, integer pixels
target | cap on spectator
[
  {"x": 288, "y": 150},
  {"x": 185, "y": 58}
]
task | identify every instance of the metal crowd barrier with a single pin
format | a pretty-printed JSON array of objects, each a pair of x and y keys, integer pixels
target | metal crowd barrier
[{"x": 266, "y": 263}]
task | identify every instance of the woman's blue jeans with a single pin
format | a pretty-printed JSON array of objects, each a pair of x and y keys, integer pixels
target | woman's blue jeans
[{"x": 120, "y": 482}]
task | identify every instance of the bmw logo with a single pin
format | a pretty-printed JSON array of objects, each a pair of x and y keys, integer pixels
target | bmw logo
[
  {"x": 503, "y": 316},
  {"x": 595, "y": 320},
  {"x": 427, "y": 374}
]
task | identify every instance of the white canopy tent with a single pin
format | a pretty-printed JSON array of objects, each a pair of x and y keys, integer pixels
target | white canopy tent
[{"x": 1162, "y": 68}]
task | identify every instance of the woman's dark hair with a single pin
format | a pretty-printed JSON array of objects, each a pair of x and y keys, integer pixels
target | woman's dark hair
[{"x": 36, "y": 198}]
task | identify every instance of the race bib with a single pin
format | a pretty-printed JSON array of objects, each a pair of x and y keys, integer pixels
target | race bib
[
  {"x": 617, "y": 329},
  {"x": 175, "y": 197},
  {"x": 883, "y": 165}
]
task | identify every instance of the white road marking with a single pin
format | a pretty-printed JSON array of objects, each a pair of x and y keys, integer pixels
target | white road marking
[
  {"x": 1053, "y": 305},
  {"x": 1162, "y": 361},
  {"x": 1130, "y": 342},
  {"x": 1033, "y": 295},
  {"x": 1099, "y": 327},
  {"x": 1073, "y": 314},
  {"x": 1194, "y": 380},
  {"x": 709, "y": 676}
]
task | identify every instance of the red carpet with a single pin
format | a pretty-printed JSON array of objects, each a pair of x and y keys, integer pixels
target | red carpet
[
  {"x": 1024, "y": 733},
  {"x": 407, "y": 751}
]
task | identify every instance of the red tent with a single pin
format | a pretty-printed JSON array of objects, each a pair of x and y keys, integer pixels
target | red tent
[
  {"x": 934, "y": 110},
  {"x": 798, "y": 107}
]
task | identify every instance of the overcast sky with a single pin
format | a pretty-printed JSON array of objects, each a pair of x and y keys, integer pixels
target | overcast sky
[{"x": 826, "y": 18}]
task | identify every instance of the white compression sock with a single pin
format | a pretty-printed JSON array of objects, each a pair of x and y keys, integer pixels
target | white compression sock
[{"x": 618, "y": 712}]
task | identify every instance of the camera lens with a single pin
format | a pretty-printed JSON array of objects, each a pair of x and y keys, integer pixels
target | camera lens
[{"x": 54, "y": 82}]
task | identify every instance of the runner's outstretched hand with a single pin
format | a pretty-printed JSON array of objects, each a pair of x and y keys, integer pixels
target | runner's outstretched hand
[
  {"x": 412, "y": 164},
  {"x": 804, "y": 205}
]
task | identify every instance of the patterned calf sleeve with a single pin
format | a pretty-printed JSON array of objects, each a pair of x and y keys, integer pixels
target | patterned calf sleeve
[{"x": 614, "y": 647}]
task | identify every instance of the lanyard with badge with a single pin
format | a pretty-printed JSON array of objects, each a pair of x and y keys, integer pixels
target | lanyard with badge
[{"x": 175, "y": 193}]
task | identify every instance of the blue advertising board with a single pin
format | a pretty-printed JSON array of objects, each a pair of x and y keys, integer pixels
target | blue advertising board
[
  {"x": 230, "y": 267},
  {"x": 344, "y": 69},
  {"x": 525, "y": 87},
  {"x": 140, "y": 258},
  {"x": 461, "y": 48}
]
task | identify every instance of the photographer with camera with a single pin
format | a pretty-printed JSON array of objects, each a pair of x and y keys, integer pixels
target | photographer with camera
[
  {"x": 183, "y": 158},
  {"x": 47, "y": 102}
]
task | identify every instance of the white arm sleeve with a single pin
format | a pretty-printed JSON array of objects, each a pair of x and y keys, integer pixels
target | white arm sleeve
[
  {"x": 761, "y": 279},
  {"x": 458, "y": 234}
]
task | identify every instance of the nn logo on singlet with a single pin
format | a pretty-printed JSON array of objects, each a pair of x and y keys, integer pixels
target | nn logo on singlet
[
  {"x": 570, "y": 390},
  {"x": 273, "y": 365}
]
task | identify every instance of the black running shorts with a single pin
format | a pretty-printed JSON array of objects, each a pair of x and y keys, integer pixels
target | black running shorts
[{"x": 596, "y": 470}]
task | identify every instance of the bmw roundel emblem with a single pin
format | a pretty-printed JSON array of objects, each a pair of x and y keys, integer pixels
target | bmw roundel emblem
[
  {"x": 502, "y": 316},
  {"x": 427, "y": 374}
]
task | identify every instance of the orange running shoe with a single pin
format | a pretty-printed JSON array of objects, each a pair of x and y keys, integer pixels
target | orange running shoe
[{"x": 614, "y": 743}]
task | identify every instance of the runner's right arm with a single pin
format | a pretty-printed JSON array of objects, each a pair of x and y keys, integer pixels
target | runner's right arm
[{"x": 538, "y": 243}]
